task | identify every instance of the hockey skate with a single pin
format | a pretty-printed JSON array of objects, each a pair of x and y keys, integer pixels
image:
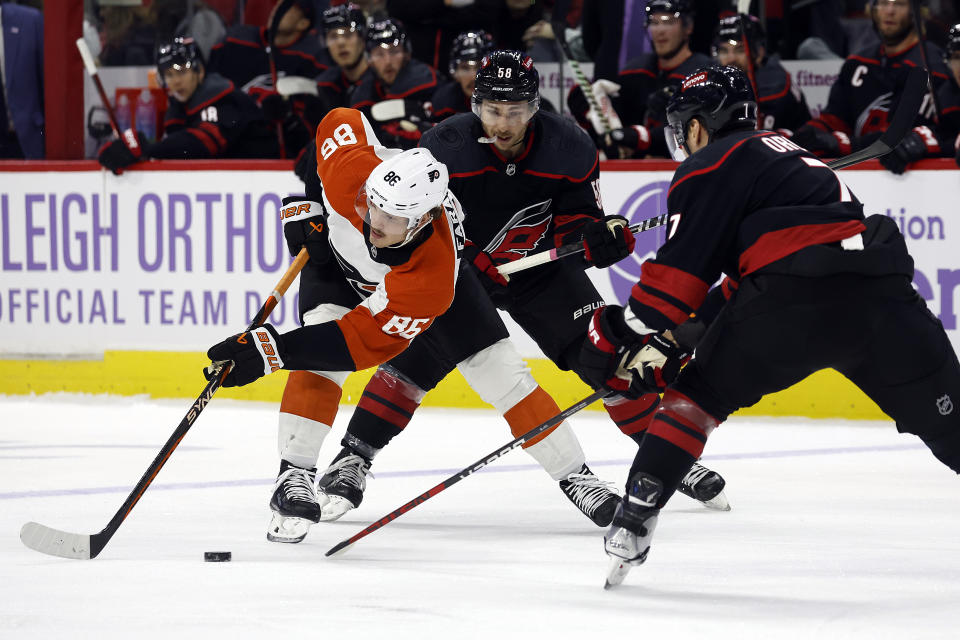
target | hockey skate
[
  {"x": 294, "y": 504},
  {"x": 705, "y": 486},
  {"x": 628, "y": 540},
  {"x": 593, "y": 496},
  {"x": 341, "y": 487}
]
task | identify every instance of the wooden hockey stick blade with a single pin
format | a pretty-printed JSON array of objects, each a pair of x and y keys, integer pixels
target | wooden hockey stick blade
[
  {"x": 904, "y": 115},
  {"x": 78, "y": 546},
  {"x": 476, "y": 466}
]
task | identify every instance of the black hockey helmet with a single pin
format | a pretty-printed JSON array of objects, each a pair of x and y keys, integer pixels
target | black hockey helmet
[
  {"x": 721, "y": 98},
  {"x": 469, "y": 46},
  {"x": 182, "y": 53},
  {"x": 507, "y": 76},
  {"x": 732, "y": 28},
  {"x": 387, "y": 33},
  {"x": 953, "y": 42},
  {"x": 345, "y": 16},
  {"x": 679, "y": 8}
]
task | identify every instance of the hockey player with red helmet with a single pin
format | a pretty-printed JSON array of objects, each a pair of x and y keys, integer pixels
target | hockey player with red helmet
[{"x": 820, "y": 286}]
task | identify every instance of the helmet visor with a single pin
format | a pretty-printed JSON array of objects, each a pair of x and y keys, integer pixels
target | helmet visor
[
  {"x": 511, "y": 114},
  {"x": 675, "y": 141},
  {"x": 385, "y": 224}
]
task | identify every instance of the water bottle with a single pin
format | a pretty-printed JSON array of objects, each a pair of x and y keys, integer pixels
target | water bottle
[
  {"x": 146, "y": 115},
  {"x": 123, "y": 112}
]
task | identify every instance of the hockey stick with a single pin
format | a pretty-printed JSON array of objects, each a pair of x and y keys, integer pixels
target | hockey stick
[
  {"x": 922, "y": 36},
  {"x": 900, "y": 124},
  {"x": 91, "y": 66},
  {"x": 80, "y": 546},
  {"x": 476, "y": 466}
]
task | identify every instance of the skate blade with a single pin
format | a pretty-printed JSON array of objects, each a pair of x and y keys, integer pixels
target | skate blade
[
  {"x": 617, "y": 570},
  {"x": 287, "y": 529},
  {"x": 335, "y": 509},
  {"x": 717, "y": 502}
]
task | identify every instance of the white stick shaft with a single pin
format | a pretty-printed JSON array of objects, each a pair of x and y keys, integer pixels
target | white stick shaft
[
  {"x": 525, "y": 263},
  {"x": 87, "y": 56}
]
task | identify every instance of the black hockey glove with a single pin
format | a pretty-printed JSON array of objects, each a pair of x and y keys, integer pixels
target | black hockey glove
[
  {"x": 830, "y": 144},
  {"x": 123, "y": 152},
  {"x": 913, "y": 147},
  {"x": 305, "y": 225},
  {"x": 275, "y": 107},
  {"x": 578, "y": 104},
  {"x": 607, "y": 241},
  {"x": 492, "y": 280},
  {"x": 618, "y": 359},
  {"x": 254, "y": 354}
]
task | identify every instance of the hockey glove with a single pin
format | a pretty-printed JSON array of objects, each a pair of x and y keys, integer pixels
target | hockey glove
[
  {"x": 305, "y": 225},
  {"x": 607, "y": 241},
  {"x": 616, "y": 358},
  {"x": 275, "y": 107},
  {"x": 254, "y": 354},
  {"x": 492, "y": 280},
  {"x": 914, "y": 146},
  {"x": 829, "y": 144},
  {"x": 123, "y": 152}
]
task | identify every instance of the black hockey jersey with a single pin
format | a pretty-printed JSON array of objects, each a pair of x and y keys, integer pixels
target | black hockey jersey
[
  {"x": 218, "y": 121},
  {"x": 242, "y": 58},
  {"x": 949, "y": 95},
  {"x": 644, "y": 94},
  {"x": 533, "y": 202},
  {"x": 861, "y": 98},
  {"x": 416, "y": 81},
  {"x": 336, "y": 88},
  {"x": 447, "y": 100},
  {"x": 739, "y": 205},
  {"x": 780, "y": 102}
]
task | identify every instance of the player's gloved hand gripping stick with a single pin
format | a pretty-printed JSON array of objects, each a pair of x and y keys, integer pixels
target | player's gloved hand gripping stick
[
  {"x": 81, "y": 546},
  {"x": 900, "y": 124}
]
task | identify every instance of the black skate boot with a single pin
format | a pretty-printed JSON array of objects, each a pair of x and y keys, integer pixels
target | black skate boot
[
  {"x": 591, "y": 495},
  {"x": 628, "y": 540},
  {"x": 341, "y": 487},
  {"x": 294, "y": 504},
  {"x": 705, "y": 486}
]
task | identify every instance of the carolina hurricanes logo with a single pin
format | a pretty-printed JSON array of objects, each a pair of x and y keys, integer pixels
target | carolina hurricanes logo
[
  {"x": 522, "y": 234},
  {"x": 875, "y": 117}
]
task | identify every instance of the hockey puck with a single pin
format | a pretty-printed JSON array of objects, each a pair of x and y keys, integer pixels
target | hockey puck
[{"x": 217, "y": 556}]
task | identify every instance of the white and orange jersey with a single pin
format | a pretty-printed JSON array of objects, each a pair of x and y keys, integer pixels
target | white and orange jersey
[{"x": 405, "y": 298}]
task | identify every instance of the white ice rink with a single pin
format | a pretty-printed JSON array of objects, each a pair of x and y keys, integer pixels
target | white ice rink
[{"x": 838, "y": 530}]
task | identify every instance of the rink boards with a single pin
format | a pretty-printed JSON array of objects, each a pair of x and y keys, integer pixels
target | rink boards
[{"x": 117, "y": 284}]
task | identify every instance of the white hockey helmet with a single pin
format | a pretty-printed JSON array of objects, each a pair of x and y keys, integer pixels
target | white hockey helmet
[{"x": 408, "y": 185}]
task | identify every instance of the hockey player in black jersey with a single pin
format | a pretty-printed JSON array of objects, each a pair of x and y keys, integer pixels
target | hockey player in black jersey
[
  {"x": 819, "y": 286},
  {"x": 950, "y": 96},
  {"x": 395, "y": 95},
  {"x": 870, "y": 81},
  {"x": 781, "y": 104},
  {"x": 646, "y": 83},
  {"x": 467, "y": 51},
  {"x": 526, "y": 180},
  {"x": 207, "y": 117},
  {"x": 345, "y": 30}
]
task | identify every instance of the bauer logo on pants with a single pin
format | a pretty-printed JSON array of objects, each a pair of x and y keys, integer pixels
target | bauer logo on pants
[{"x": 649, "y": 201}]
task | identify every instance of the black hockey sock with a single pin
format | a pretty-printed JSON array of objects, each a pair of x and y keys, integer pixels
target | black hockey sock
[
  {"x": 386, "y": 406},
  {"x": 663, "y": 460}
]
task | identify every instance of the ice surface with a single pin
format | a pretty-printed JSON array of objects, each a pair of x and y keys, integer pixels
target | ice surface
[{"x": 838, "y": 530}]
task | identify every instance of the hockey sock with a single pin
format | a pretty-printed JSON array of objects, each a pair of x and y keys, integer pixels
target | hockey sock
[
  {"x": 386, "y": 406},
  {"x": 307, "y": 411},
  {"x": 632, "y": 417},
  {"x": 674, "y": 441},
  {"x": 535, "y": 408}
]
